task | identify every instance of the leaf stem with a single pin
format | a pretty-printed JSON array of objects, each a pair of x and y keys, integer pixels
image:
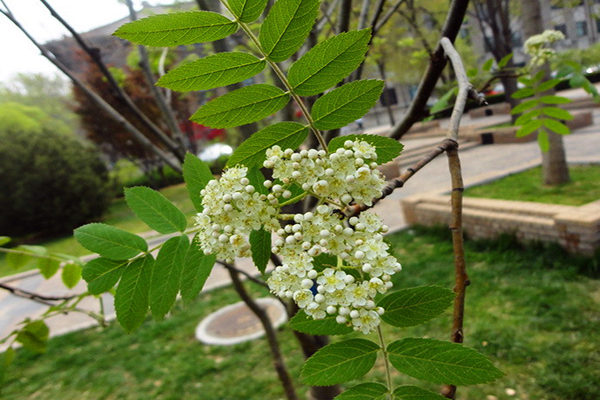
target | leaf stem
[
  {"x": 281, "y": 75},
  {"x": 388, "y": 372}
]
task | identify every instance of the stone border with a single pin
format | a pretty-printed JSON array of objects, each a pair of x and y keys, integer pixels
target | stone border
[
  {"x": 575, "y": 228},
  {"x": 205, "y": 337}
]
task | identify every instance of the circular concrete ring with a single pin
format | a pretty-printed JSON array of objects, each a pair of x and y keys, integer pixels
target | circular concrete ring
[{"x": 236, "y": 323}]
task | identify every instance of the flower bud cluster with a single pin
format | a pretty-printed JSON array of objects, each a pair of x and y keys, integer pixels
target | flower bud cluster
[
  {"x": 347, "y": 289},
  {"x": 348, "y": 174},
  {"x": 537, "y": 46},
  {"x": 232, "y": 209}
]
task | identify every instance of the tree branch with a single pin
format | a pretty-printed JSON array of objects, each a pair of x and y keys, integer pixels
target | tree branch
[
  {"x": 38, "y": 298},
  {"x": 95, "y": 56},
  {"x": 437, "y": 62}
]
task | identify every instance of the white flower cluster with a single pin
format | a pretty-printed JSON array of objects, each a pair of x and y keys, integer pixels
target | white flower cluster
[
  {"x": 362, "y": 268},
  {"x": 232, "y": 209},
  {"x": 536, "y": 46},
  {"x": 347, "y": 289},
  {"x": 346, "y": 175}
]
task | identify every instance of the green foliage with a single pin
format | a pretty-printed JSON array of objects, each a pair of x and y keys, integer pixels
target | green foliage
[
  {"x": 177, "y": 29},
  {"x": 131, "y": 297},
  {"x": 387, "y": 149},
  {"x": 326, "y": 326},
  {"x": 340, "y": 362},
  {"x": 329, "y": 62},
  {"x": 217, "y": 70},
  {"x": 410, "y": 392},
  {"x": 166, "y": 275},
  {"x": 242, "y": 106},
  {"x": 102, "y": 274},
  {"x": 71, "y": 275},
  {"x": 51, "y": 183},
  {"x": 196, "y": 174},
  {"x": 260, "y": 245},
  {"x": 364, "y": 391},
  {"x": 196, "y": 269},
  {"x": 155, "y": 210},
  {"x": 441, "y": 362},
  {"x": 286, "y": 27},
  {"x": 34, "y": 336},
  {"x": 414, "y": 306},
  {"x": 247, "y": 10},
  {"x": 110, "y": 242},
  {"x": 346, "y": 104},
  {"x": 251, "y": 153}
]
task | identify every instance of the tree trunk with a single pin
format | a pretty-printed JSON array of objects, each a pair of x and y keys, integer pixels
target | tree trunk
[{"x": 555, "y": 170}]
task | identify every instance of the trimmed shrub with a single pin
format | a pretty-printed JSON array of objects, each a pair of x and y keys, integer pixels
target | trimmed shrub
[{"x": 50, "y": 183}]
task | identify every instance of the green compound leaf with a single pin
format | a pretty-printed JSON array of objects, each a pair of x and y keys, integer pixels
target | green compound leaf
[
  {"x": 441, "y": 362},
  {"x": 528, "y": 116},
  {"x": 329, "y": 62},
  {"x": 110, "y": 242},
  {"x": 102, "y": 274},
  {"x": 247, "y": 10},
  {"x": 502, "y": 63},
  {"x": 48, "y": 267},
  {"x": 522, "y": 93},
  {"x": 196, "y": 269},
  {"x": 340, "y": 362},
  {"x": 155, "y": 210},
  {"x": 71, "y": 275},
  {"x": 17, "y": 260},
  {"x": 242, "y": 106},
  {"x": 555, "y": 100},
  {"x": 529, "y": 127},
  {"x": 196, "y": 175},
  {"x": 323, "y": 261},
  {"x": 326, "y": 326},
  {"x": 487, "y": 66},
  {"x": 524, "y": 106},
  {"x": 346, "y": 104},
  {"x": 410, "y": 392},
  {"x": 260, "y": 245},
  {"x": 4, "y": 240},
  {"x": 251, "y": 153},
  {"x": 257, "y": 179},
  {"x": 286, "y": 27},
  {"x": 387, "y": 149},
  {"x": 414, "y": 306},
  {"x": 166, "y": 275},
  {"x": 218, "y": 70},
  {"x": 177, "y": 29},
  {"x": 557, "y": 113},
  {"x": 131, "y": 297},
  {"x": 364, "y": 391},
  {"x": 34, "y": 336},
  {"x": 549, "y": 84},
  {"x": 556, "y": 126}
]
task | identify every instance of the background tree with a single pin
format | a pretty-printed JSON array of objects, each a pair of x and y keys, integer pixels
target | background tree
[{"x": 555, "y": 170}]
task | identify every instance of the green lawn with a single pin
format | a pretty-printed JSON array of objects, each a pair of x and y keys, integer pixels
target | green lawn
[
  {"x": 527, "y": 186},
  {"x": 118, "y": 215},
  {"x": 531, "y": 310}
]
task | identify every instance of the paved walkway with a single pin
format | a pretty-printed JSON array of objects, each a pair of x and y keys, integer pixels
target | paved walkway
[{"x": 480, "y": 164}]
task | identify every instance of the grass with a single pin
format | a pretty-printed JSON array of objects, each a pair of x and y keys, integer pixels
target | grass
[
  {"x": 118, "y": 215},
  {"x": 527, "y": 186},
  {"x": 530, "y": 310}
]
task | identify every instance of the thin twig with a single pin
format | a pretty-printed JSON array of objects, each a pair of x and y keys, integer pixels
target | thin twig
[
  {"x": 38, "y": 298},
  {"x": 387, "y": 16},
  {"x": 241, "y": 272},
  {"x": 399, "y": 182},
  {"x": 261, "y": 314},
  {"x": 96, "y": 58},
  {"x": 461, "y": 278},
  {"x": 437, "y": 62}
]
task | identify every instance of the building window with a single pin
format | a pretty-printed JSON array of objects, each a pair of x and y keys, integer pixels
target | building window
[
  {"x": 598, "y": 25},
  {"x": 563, "y": 28},
  {"x": 581, "y": 28},
  {"x": 516, "y": 39}
]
